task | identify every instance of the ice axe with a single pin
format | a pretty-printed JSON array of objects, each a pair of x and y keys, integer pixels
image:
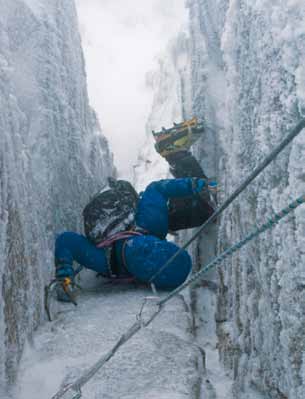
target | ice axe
[{"x": 66, "y": 284}]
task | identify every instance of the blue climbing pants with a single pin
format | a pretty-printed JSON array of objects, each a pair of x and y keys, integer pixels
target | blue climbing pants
[{"x": 71, "y": 247}]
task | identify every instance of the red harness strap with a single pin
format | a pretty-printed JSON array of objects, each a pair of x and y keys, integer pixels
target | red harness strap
[{"x": 108, "y": 242}]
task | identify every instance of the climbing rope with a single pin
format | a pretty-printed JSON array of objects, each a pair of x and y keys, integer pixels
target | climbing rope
[
  {"x": 299, "y": 127},
  {"x": 236, "y": 247},
  {"x": 74, "y": 390}
]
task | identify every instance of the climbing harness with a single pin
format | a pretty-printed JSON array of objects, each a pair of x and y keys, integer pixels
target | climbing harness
[
  {"x": 73, "y": 391},
  {"x": 300, "y": 126}
]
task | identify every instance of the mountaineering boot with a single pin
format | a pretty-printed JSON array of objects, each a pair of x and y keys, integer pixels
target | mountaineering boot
[
  {"x": 65, "y": 289},
  {"x": 178, "y": 138}
]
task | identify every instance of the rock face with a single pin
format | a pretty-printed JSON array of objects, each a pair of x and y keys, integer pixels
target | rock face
[
  {"x": 52, "y": 157},
  {"x": 248, "y": 73},
  {"x": 247, "y": 80}
]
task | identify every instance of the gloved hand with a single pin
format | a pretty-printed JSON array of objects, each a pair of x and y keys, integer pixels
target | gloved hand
[
  {"x": 200, "y": 185},
  {"x": 206, "y": 189},
  {"x": 212, "y": 185}
]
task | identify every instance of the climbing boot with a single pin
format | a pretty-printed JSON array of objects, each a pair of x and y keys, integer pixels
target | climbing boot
[
  {"x": 178, "y": 138},
  {"x": 64, "y": 276},
  {"x": 66, "y": 290}
]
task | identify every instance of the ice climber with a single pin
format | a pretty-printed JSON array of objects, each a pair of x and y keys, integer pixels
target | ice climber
[{"x": 140, "y": 250}]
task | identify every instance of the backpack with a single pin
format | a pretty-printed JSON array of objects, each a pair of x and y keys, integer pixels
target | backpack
[{"x": 110, "y": 211}]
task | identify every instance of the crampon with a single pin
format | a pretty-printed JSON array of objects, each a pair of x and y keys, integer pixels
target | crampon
[
  {"x": 180, "y": 137},
  {"x": 67, "y": 289}
]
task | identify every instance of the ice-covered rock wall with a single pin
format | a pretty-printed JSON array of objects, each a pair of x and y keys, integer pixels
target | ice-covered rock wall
[
  {"x": 52, "y": 157},
  {"x": 247, "y": 80},
  {"x": 248, "y": 70}
]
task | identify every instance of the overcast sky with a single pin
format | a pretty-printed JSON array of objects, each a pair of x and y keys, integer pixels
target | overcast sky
[{"x": 121, "y": 40}]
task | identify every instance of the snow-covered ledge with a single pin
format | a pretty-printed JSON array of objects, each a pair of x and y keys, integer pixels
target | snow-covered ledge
[{"x": 161, "y": 361}]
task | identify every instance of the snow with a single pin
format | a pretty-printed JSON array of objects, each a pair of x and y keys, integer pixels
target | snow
[
  {"x": 216, "y": 383},
  {"x": 161, "y": 361},
  {"x": 36, "y": 6}
]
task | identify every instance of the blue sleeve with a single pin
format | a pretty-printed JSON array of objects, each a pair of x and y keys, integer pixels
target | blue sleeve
[
  {"x": 152, "y": 210},
  {"x": 172, "y": 188}
]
